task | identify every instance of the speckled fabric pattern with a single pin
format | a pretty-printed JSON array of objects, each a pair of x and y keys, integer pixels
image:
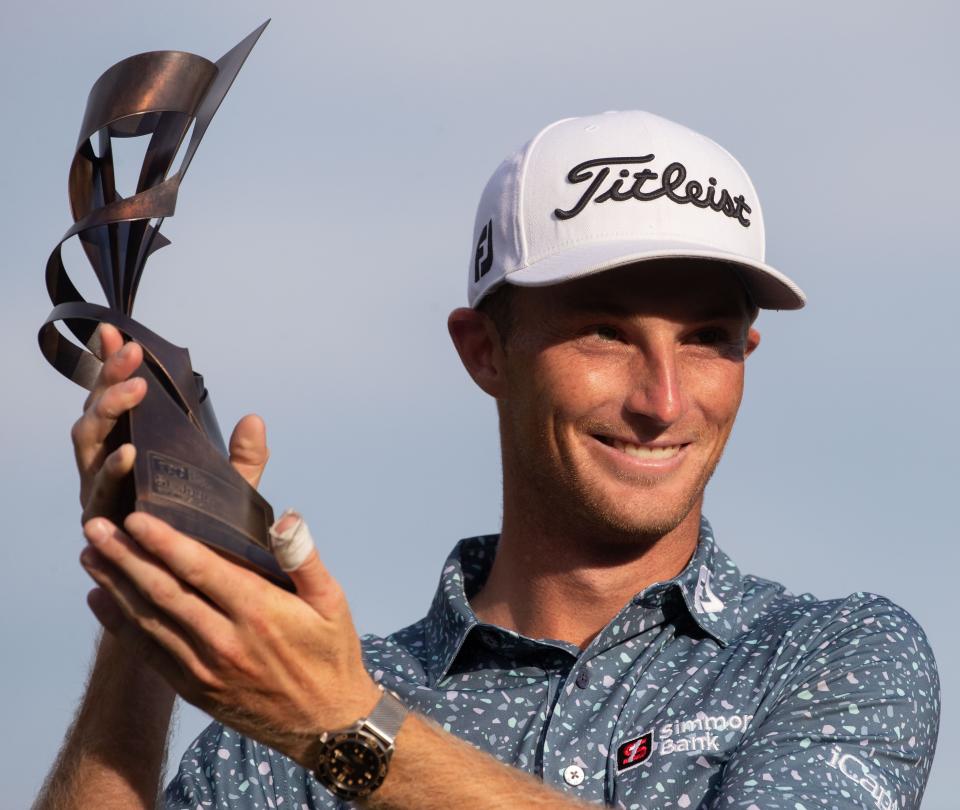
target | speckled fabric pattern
[{"x": 710, "y": 690}]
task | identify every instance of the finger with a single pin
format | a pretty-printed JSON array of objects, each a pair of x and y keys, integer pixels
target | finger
[
  {"x": 120, "y": 360},
  {"x": 296, "y": 553},
  {"x": 156, "y": 583},
  {"x": 91, "y": 430},
  {"x": 108, "y": 483},
  {"x": 110, "y": 341},
  {"x": 102, "y": 411},
  {"x": 138, "y": 611},
  {"x": 248, "y": 448},
  {"x": 228, "y": 585}
]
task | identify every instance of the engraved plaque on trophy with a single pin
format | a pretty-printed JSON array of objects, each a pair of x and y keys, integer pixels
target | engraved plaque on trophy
[{"x": 182, "y": 473}]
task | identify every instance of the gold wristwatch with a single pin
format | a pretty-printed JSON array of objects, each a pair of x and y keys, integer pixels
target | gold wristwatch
[{"x": 352, "y": 762}]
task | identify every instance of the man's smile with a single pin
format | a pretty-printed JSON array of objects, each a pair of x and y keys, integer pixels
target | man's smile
[
  {"x": 646, "y": 450},
  {"x": 660, "y": 456}
]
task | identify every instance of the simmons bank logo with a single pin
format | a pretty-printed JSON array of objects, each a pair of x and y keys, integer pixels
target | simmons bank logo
[{"x": 700, "y": 734}]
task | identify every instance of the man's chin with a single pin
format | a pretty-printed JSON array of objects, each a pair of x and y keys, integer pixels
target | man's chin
[
  {"x": 644, "y": 505},
  {"x": 648, "y": 527},
  {"x": 639, "y": 519}
]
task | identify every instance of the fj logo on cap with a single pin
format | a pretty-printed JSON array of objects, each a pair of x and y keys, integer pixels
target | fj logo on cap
[
  {"x": 635, "y": 751},
  {"x": 694, "y": 192},
  {"x": 483, "y": 259}
]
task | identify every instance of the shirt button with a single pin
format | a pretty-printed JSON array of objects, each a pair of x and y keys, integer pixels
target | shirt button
[
  {"x": 583, "y": 678},
  {"x": 573, "y": 775}
]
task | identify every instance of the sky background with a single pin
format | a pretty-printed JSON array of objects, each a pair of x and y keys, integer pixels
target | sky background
[{"x": 324, "y": 232}]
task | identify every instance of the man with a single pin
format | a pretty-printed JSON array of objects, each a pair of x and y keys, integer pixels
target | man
[{"x": 602, "y": 644}]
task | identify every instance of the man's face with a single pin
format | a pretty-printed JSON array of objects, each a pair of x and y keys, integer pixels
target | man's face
[{"x": 621, "y": 390}]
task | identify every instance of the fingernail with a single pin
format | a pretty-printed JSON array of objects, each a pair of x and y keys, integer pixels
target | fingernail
[
  {"x": 124, "y": 352},
  {"x": 135, "y": 523},
  {"x": 293, "y": 545},
  {"x": 131, "y": 385}
]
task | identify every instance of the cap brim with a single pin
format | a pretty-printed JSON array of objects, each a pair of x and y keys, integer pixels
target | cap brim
[{"x": 769, "y": 288}]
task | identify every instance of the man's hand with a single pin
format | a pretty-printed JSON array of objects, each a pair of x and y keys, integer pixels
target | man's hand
[{"x": 276, "y": 666}]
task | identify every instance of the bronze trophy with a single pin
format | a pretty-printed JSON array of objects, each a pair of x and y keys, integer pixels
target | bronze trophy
[{"x": 182, "y": 472}]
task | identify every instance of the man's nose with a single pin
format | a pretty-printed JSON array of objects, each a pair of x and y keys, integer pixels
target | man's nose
[{"x": 655, "y": 390}]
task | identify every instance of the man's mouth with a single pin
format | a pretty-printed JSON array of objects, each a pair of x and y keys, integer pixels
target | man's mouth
[{"x": 641, "y": 451}]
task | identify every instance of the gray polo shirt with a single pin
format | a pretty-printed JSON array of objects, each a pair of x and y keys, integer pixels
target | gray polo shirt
[{"x": 710, "y": 690}]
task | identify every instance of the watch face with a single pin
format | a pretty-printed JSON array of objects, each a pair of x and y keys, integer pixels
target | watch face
[{"x": 352, "y": 764}]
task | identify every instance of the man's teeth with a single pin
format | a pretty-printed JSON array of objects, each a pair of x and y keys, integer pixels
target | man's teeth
[{"x": 646, "y": 452}]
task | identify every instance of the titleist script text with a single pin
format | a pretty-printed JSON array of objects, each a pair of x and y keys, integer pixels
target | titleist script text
[{"x": 598, "y": 170}]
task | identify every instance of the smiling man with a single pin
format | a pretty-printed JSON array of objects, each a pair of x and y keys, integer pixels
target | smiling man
[{"x": 601, "y": 644}]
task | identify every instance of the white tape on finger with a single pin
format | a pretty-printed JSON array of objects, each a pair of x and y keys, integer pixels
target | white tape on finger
[{"x": 293, "y": 545}]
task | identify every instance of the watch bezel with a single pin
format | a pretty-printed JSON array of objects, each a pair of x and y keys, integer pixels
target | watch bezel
[{"x": 331, "y": 742}]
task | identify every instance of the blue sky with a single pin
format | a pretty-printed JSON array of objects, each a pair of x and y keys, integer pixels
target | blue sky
[{"x": 324, "y": 231}]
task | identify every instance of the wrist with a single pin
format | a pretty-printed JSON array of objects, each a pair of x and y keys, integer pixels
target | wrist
[
  {"x": 339, "y": 711},
  {"x": 346, "y": 709},
  {"x": 126, "y": 674},
  {"x": 352, "y": 762}
]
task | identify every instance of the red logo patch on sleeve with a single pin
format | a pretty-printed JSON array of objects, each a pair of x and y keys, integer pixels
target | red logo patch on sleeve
[{"x": 634, "y": 751}]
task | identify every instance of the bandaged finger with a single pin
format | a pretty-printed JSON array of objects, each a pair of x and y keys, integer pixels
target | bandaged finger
[{"x": 293, "y": 545}]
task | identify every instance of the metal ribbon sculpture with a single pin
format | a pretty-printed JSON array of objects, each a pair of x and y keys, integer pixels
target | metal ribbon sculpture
[{"x": 182, "y": 473}]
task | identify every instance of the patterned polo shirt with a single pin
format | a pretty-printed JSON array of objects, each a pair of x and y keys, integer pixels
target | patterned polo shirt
[{"x": 710, "y": 690}]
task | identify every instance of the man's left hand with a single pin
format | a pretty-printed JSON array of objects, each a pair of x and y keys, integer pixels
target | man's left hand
[{"x": 278, "y": 667}]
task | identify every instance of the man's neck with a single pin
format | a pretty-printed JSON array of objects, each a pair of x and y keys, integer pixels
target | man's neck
[{"x": 567, "y": 584}]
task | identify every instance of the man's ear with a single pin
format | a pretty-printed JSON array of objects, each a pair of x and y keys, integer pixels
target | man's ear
[
  {"x": 480, "y": 348},
  {"x": 753, "y": 340}
]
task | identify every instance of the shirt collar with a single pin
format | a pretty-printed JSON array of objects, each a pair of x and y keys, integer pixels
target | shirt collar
[
  {"x": 450, "y": 617},
  {"x": 710, "y": 584},
  {"x": 712, "y": 588}
]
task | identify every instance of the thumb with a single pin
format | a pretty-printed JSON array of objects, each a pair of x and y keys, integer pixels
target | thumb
[
  {"x": 248, "y": 448},
  {"x": 293, "y": 546}
]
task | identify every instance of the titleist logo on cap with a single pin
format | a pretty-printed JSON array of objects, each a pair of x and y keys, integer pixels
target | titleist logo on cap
[{"x": 671, "y": 180}]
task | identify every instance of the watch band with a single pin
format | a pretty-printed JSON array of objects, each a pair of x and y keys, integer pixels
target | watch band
[{"x": 387, "y": 717}]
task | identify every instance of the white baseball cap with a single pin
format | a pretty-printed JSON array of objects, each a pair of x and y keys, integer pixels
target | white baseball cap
[{"x": 593, "y": 193}]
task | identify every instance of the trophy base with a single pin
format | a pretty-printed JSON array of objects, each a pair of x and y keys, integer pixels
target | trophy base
[{"x": 180, "y": 477}]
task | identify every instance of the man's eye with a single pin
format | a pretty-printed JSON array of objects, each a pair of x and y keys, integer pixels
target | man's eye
[
  {"x": 711, "y": 336},
  {"x": 605, "y": 332}
]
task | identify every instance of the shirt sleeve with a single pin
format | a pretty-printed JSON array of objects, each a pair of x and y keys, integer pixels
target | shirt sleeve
[
  {"x": 852, "y": 723},
  {"x": 224, "y": 769}
]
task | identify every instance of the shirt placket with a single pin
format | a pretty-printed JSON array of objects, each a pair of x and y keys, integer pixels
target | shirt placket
[{"x": 579, "y": 749}]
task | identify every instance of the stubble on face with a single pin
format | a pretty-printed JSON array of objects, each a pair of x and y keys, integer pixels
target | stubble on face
[
  {"x": 567, "y": 502},
  {"x": 558, "y": 400}
]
